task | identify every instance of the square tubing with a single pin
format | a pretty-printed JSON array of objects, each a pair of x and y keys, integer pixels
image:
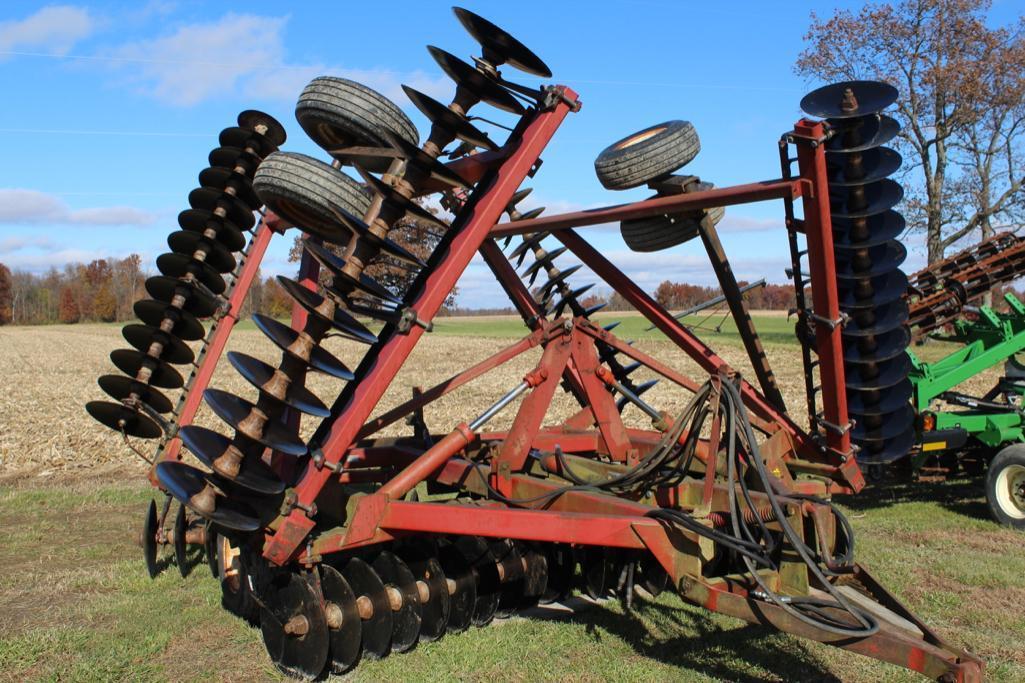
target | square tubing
[{"x": 387, "y": 356}]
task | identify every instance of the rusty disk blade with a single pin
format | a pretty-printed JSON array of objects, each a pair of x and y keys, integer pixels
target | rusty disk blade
[
  {"x": 285, "y": 337},
  {"x": 570, "y": 298},
  {"x": 344, "y": 627},
  {"x": 290, "y": 599},
  {"x": 254, "y": 120},
  {"x": 407, "y": 618},
  {"x": 260, "y": 374},
  {"x": 499, "y": 47},
  {"x": 878, "y": 348},
  {"x": 869, "y": 231},
  {"x": 561, "y": 568},
  {"x": 443, "y": 117},
  {"x": 221, "y": 178},
  {"x": 234, "y": 410},
  {"x": 235, "y": 158},
  {"x": 120, "y": 417},
  {"x": 862, "y": 133},
  {"x": 236, "y": 136},
  {"x": 377, "y": 622},
  {"x": 180, "y": 547},
  {"x": 119, "y": 387},
  {"x": 877, "y": 374},
  {"x": 882, "y": 452},
  {"x": 459, "y": 570},
  {"x": 153, "y": 312},
  {"x": 871, "y": 402},
  {"x": 420, "y": 555},
  {"x": 189, "y": 242},
  {"x": 482, "y": 87},
  {"x": 423, "y": 161},
  {"x": 184, "y": 482},
  {"x": 834, "y": 101},
  {"x": 873, "y": 291},
  {"x": 131, "y": 362},
  {"x": 197, "y": 302},
  {"x": 392, "y": 196},
  {"x": 339, "y": 319},
  {"x": 344, "y": 282},
  {"x": 875, "y": 321},
  {"x": 860, "y": 168},
  {"x": 201, "y": 220},
  {"x": 149, "y": 540},
  {"x": 230, "y": 206},
  {"x": 527, "y": 244},
  {"x": 180, "y": 265},
  {"x": 208, "y": 445},
  {"x": 878, "y": 197},
  {"x": 551, "y": 283},
  {"x": 143, "y": 337},
  {"x": 511, "y": 587},
  {"x": 854, "y": 263},
  {"x": 475, "y": 549},
  {"x": 390, "y": 248}
]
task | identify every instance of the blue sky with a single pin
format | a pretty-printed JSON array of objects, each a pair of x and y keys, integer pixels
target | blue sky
[{"x": 110, "y": 109}]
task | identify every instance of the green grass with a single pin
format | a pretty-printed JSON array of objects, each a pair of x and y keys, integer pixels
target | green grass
[{"x": 76, "y": 604}]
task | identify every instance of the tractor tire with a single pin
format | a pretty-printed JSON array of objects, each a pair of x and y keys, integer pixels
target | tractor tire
[
  {"x": 645, "y": 156},
  {"x": 1005, "y": 486},
  {"x": 336, "y": 112},
  {"x": 305, "y": 191},
  {"x": 662, "y": 232}
]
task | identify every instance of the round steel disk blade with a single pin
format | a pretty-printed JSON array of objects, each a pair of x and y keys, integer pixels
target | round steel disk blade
[
  {"x": 119, "y": 387},
  {"x": 376, "y": 631},
  {"x": 405, "y": 620},
  {"x": 180, "y": 265},
  {"x": 511, "y": 588},
  {"x": 863, "y": 403},
  {"x": 252, "y": 119},
  {"x": 393, "y": 197},
  {"x": 235, "y": 157},
  {"x": 186, "y": 325},
  {"x": 344, "y": 640},
  {"x": 291, "y": 597},
  {"x": 180, "y": 547},
  {"x": 284, "y": 337},
  {"x": 235, "y": 209},
  {"x": 886, "y": 373},
  {"x": 829, "y": 100},
  {"x": 880, "y": 196},
  {"x": 892, "y": 425},
  {"x": 561, "y": 568},
  {"x": 877, "y": 260},
  {"x": 163, "y": 288},
  {"x": 130, "y": 362},
  {"x": 208, "y": 445},
  {"x": 183, "y": 482},
  {"x": 142, "y": 336},
  {"x": 210, "y": 549},
  {"x": 880, "y": 347},
  {"x": 651, "y": 575},
  {"x": 342, "y": 280},
  {"x": 259, "y": 374},
  {"x": 149, "y": 540},
  {"x": 189, "y": 242},
  {"x": 459, "y": 571},
  {"x": 875, "y": 321},
  {"x": 221, "y": 178},
  {"x": 872, "y": 292},
  {"x": 340, "y": 320},
  {"x": 482, "y": 562},
  {"x": 500, "y": 47},
  {"x": 118, "y": 417},
  {"x": 535, "y": 576},
  {"x": 883, "y": 452},
  {"x": 445, "y": 118},
  {"x": 859, "y": 134},
  {"x": 876, "y": 163},
  {"x": 420, "y": 159},
  {"x": 358, "y": 227},
  {"x": 420, "y": 555},
  {"x": 233, "y": 410},
  {"x": 869, "y": 231},
  {"x": 482, "y": 87},
  {"x": 598, "y": 572},
  {"x": 200, "y": 220},
  {"x": 245, "y": 138}
]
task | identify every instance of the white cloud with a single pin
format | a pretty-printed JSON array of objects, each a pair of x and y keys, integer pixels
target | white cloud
[
  {"x": 20, "y": 206},
  {"x": 204, "y": 60},
  {"x": 733, "y": 223},
  {"x": 53, "y": 29}
]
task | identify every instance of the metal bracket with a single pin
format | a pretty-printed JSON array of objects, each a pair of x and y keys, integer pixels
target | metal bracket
[
  {"x": 321, "y": 462},
  {"x": 291, "y": 502},
  {"x": 836, "y": 429},
  {"x": 831, "y": 324},
  {"x": 408, "y": 318}
]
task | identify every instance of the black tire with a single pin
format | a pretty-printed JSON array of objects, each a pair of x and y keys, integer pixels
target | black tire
[
  {"x": 1005, "y": 486},
  {"x": 661, "y": 232},
  {"x": 336, "y": 112},
  {"x": 304, "y": 190},
  {"x": 647, "y": 155}
]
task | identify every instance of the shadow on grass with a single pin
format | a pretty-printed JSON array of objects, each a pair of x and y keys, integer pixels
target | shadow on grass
[
  {"x": 964, "y": 496},
  {"x": 691, "y": 639}
]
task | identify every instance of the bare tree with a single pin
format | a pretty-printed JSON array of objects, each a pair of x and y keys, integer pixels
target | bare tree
[{"x": 961, "y": 107}]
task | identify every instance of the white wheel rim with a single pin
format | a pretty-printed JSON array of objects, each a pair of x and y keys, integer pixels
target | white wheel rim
[
  {"x": 1010, "y": 491},
  {"x": 640, "y": 137}
]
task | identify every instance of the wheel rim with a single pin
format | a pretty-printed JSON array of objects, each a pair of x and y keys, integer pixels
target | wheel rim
[
  {"x": 1010, "y": 491},
  {"x": 229, "y": 565},
  {"x": 640, "y": 137}
]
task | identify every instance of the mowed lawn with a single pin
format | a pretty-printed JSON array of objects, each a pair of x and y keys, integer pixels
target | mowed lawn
[{"x": 76, "y": 602}]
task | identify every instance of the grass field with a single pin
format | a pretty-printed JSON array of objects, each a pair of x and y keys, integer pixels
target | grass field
[{"x": 76, "y": 603}]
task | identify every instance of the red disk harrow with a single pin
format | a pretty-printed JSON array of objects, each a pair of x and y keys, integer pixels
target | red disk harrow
[{"x": 351, "y": 545}]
